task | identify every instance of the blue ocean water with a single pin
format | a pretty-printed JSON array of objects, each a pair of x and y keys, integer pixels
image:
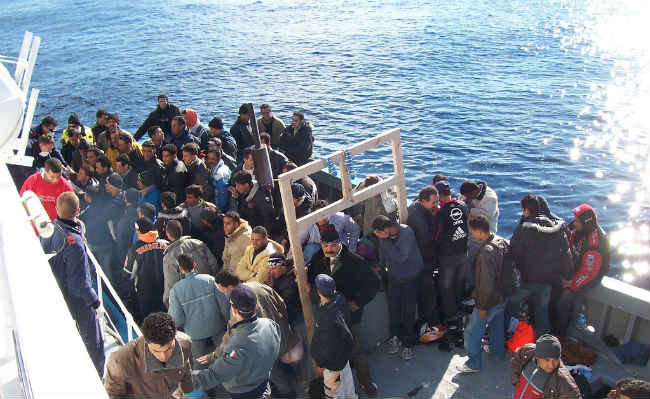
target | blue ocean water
[{"x": 545, "y": 97}]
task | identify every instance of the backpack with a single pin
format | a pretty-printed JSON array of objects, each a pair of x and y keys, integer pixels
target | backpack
[{"x": 507, "y": 282}]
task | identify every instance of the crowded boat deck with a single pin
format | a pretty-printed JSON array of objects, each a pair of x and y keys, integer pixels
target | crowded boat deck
[{"x": 248, "y": 248}]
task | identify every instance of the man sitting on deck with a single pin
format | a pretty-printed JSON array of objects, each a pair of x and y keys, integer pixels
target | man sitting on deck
[
  {"x": 538, "y": 371},
  {"x": 590, "y": 248}
]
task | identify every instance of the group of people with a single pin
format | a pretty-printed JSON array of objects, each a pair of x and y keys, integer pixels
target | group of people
[{"x": 199, "y": 252}]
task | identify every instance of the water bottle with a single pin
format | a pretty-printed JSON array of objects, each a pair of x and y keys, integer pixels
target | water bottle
[{"x": 581, "y": 318}]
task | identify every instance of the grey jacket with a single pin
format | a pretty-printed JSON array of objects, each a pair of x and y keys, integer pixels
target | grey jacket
[
  {"x": 198, "y": 307},
  {"x": 401, "y": 256},
  {"x": 205, "y": 261},
  {"x": 247, "y": 358}
]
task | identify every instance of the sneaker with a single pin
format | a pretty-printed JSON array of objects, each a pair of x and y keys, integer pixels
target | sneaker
[
  {"x": 370, "y": 388},
  {"x": 407, "y": 354},
  {"x": 465, "y": 369},
  {"x": 486, "y": 348},
  {"x": 431, "y": 334},
  {"x": 393, "y": 345}
]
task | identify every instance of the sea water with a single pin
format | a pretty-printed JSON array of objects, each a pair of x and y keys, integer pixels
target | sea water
[{"x": 544, "y": 97}]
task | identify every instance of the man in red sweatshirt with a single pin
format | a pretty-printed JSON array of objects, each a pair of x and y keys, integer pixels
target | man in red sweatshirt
[
  {"x": 48, "y": 185},
  {"x": 590, "y": 250}
]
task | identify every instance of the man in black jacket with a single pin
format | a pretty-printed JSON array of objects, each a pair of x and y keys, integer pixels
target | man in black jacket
[
  {"x": 197, "y": 170},
  {"x": 450, "y": 240},
  {"x": 422, "y": 221},
  {"x": 297, "y": 141},
  {"x": 282, "y": 279},
  {"x": 489, "y": 308},
  {"x": 241, "y": 131},
  {"x": 278, "y": 159},
  {"x": 144, "y": 264},
  {"x": 126, "y": 223},
  {"x": 358, "y": 283},
  {"x": 151, "y": 163},
  {"x": 228, "y": 143},
  {"x": 174, "y": 176},
  {"x": 332, "y": 344},
  {"x": 170, "y": 211},
  {"x": 541, "y": 251},
  {"x": 211, "y": 232},
  {"x": 254, "y": 203},
  {"x": 161, "y": 116}
]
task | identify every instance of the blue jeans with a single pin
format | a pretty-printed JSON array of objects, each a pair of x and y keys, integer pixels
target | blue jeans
[
  {"x": 475, "y": 331},
  {"x": 540, "y": 295}
]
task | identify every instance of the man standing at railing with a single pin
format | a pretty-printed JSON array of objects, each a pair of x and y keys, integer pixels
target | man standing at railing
[{"x": 71, "y": 267}]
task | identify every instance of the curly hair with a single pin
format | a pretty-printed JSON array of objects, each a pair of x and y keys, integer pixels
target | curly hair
[{"x": 159, "y": 328}]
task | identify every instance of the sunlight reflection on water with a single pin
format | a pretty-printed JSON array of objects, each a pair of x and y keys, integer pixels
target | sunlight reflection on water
[{"x": 621, "y": 126}]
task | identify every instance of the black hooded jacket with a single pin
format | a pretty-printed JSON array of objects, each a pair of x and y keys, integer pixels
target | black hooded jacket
[{"x": 540, "y": 249}]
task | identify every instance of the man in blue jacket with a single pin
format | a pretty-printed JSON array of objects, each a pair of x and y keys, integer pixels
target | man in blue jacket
[
  {"x": 71, "y": 267},
  {"x": 245, "y": 365},
  {"x": 398, "y": 250},
  {"x": 198, "y": 308},
  {"x": 180, "y": 135}
]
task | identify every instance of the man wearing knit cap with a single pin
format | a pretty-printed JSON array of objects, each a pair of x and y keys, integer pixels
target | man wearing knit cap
[
  {"x": 356, "y": 281},
  {"x": 144, "y": 264},
  {"x": 332, "y": 345},
  {"x": 301, "y": 200},
  {"x": 538, "y": 371},
  {"x": 245, "y": 365}
]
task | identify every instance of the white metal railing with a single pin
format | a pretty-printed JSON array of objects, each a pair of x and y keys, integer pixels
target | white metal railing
[{"x": 131, "y": 325}]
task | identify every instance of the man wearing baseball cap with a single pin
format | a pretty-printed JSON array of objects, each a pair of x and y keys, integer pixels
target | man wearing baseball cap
[
  {"x": 245, "y": 365},
  {"x": 332, "y": 345},
  {"x": 450, "y": 241},
  {"x": 590, "y": 249},
  {"x": 538, "y": 371}
]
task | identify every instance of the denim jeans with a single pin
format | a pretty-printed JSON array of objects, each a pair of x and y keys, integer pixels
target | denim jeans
[
  {"x": 475, "y": 331},
  {"x": 540, "y": 295}
]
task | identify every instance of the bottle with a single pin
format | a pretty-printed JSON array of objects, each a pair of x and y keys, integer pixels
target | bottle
[{"x": 581, "y": 318}]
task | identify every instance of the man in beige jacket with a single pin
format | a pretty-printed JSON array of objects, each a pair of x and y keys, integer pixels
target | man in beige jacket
[
  {"x": 252, "y": 266},
  {"x": 238, "y": 237}
]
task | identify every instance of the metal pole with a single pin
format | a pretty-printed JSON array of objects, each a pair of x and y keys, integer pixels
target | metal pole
[{"x": 260, "y": 154}]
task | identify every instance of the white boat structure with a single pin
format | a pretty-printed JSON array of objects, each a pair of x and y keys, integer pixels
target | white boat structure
[{"x": 43, "y": 356}]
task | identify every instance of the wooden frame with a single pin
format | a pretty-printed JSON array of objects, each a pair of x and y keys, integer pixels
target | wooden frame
[{"x": 349, "y": 199}]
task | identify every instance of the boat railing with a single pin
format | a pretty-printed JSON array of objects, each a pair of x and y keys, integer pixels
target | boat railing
[{"x": 103, "y": 283}]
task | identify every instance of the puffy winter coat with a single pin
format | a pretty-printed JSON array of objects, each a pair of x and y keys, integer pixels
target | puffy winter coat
[
  {"x": 255, "y": 269},
  {"x": 236, "y": 245}
]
